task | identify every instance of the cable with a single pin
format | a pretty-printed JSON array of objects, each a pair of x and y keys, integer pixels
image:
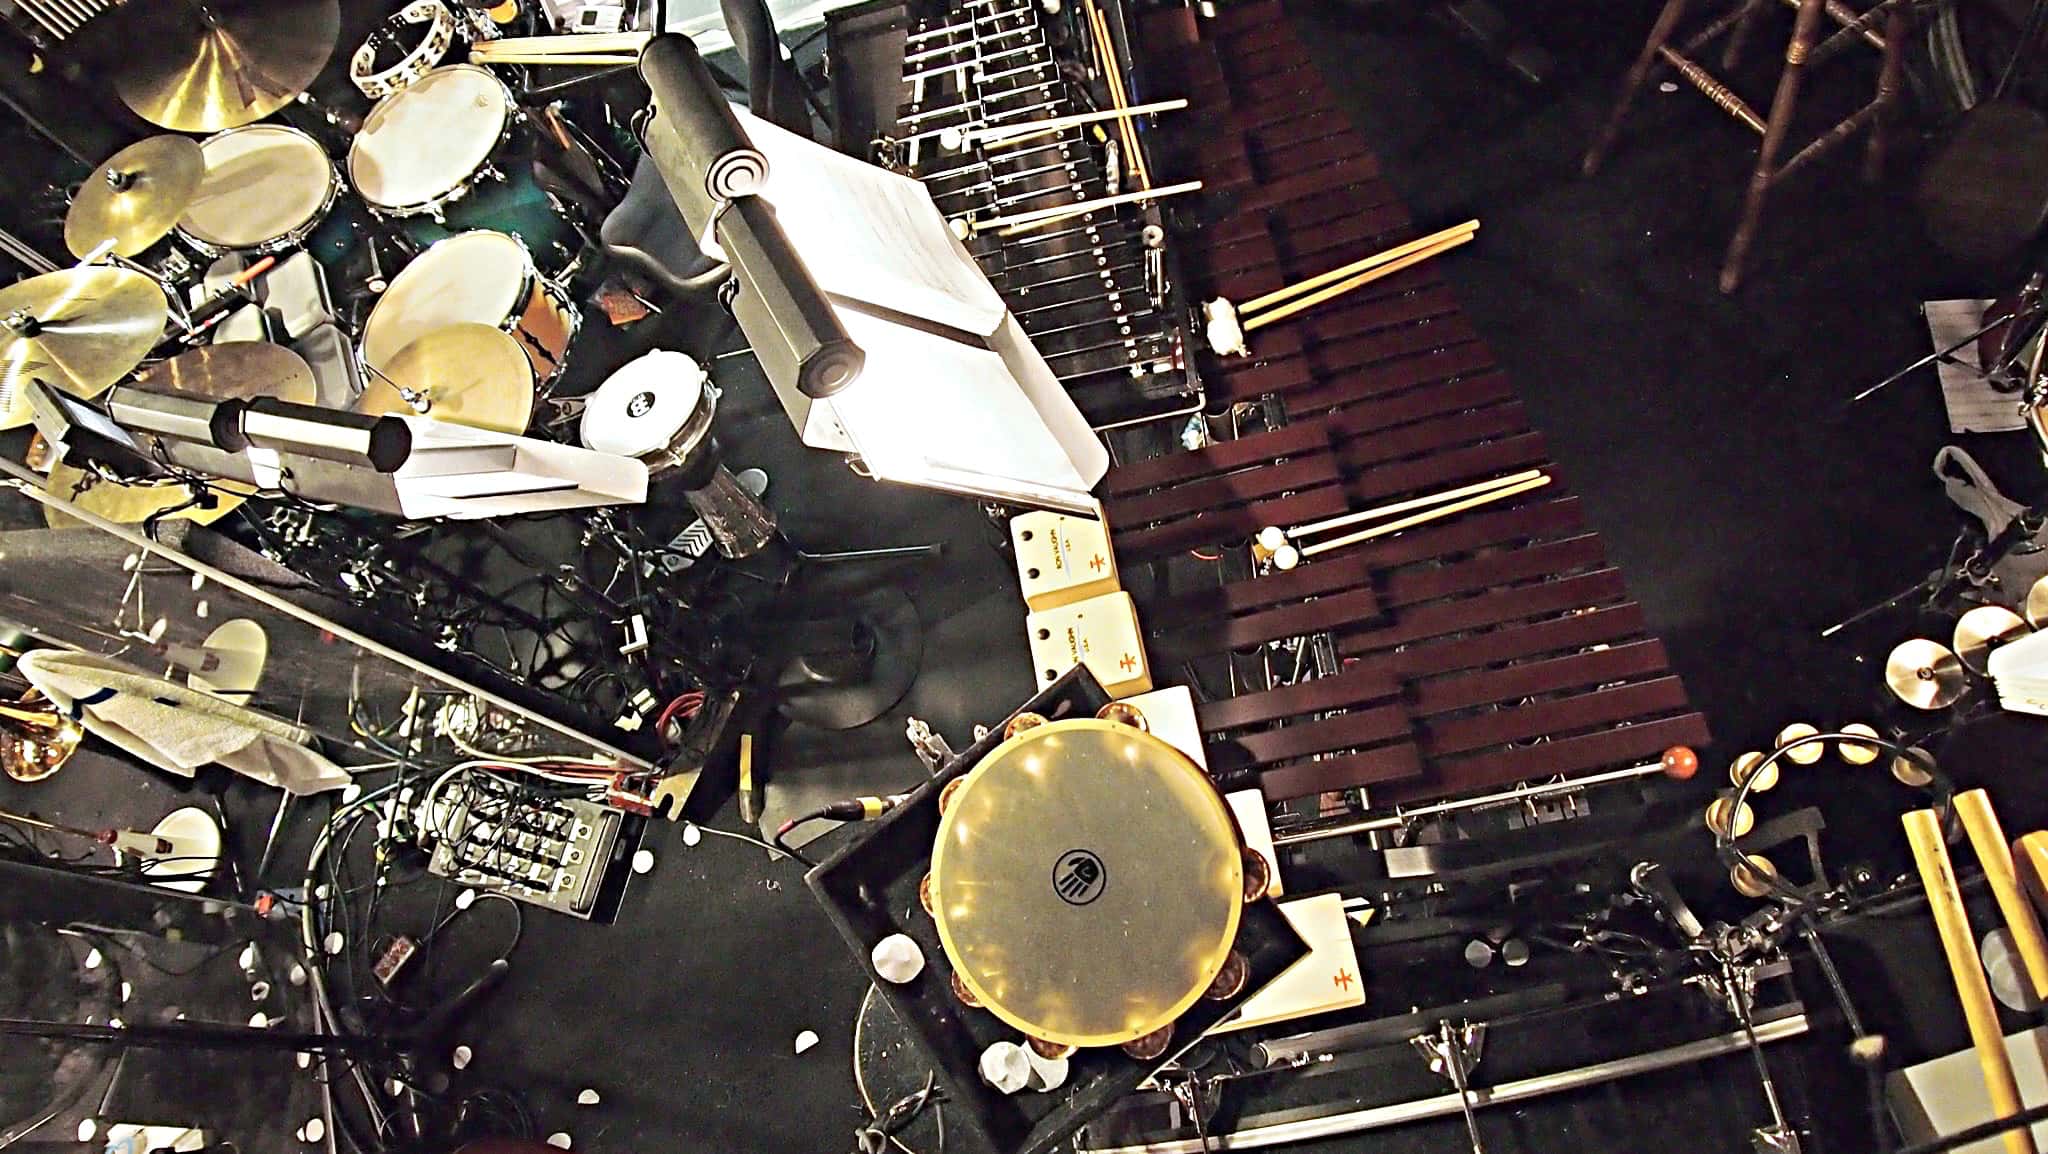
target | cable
[{"x": 783, "y": 850}]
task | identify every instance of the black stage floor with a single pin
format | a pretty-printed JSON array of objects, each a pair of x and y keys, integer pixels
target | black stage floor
[{"x": 1706, "y": 435}]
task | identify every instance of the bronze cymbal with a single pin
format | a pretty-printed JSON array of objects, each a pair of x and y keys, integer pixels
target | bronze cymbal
[
  {"x": 133, "y": 504},
  {"x": 466, "y": 374},
  {"x": 1925, "y": 674},
  {"x": 237, "y": 371},
  {"x": 76, "y": 329},
  {"x": 2037, "y": 603},
  {"x": 1983, "y": 629},
  {"x": 205, "y": 65},
  {"x": 136, "y": 197}
]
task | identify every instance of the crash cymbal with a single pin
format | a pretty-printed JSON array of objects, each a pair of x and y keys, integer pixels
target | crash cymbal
[
  {"x": 136, "y": 197},
  {"x": 2037, "y": 603},
  {"x": 1087, "y": 883},
  {"x": 76, "y": 329},
  {"x": 1983, "y": 629},
  {"x": 1924, "y": 674},
  {"x": 134, "y": 504},
  {"x": 467, "y": 374},
  {"x": 205, "y": 65},
  {"x": 237, "y": 371}
]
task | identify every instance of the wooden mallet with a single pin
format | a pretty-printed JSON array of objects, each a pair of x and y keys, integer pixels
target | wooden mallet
[{"x": 1227, "y": 324}]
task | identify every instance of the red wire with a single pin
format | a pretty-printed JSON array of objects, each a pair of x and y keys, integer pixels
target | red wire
[{"x": 692, "y": 701}]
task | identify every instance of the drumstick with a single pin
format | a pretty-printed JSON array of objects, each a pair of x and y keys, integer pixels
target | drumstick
[
  {"x": 1356, "y": 267},
  {"x": 1995, "y": 855},
  {"x": 2032, "y": 851},
  {"x": 594, "y": 59},
  {"x": 1425, "y": 517},
  {"x": 1952, "y": 922},
  {"x": 574, "y": 45},
  {"x": 1356, "y": 282}
]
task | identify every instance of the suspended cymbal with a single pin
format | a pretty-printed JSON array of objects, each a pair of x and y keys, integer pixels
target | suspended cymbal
[
  {"x": 1924, "y": 674},
  {"x": 205, "y": 65},
  {"x": 136, "y": 197},
  {"x": 236, "y": 371},
  {"x": 467, "y": 374},
  {"x": 134, "y": 504},
  {"x": 1983, "y": 629},
  {"x": 76, "y": 329}
]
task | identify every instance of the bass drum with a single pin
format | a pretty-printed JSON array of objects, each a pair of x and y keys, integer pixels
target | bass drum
[
  {"x": 479, "y": 278},
  {"x": 448, "y": 154}
]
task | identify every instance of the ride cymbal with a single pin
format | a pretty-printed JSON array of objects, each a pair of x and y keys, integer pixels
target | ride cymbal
[
  {"x": 1087, "y": 883},
  {"x": 1983, "y": 629},
  {"x": 466, "y": 374},
  {"x": 76, "y": 329},
  {"x": 1924, "y": 674},
  {"x": 136, "y": 197},
  {"x": 206, "y": 65}
]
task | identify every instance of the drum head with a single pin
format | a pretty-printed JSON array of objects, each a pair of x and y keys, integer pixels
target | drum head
[
  {"x": 474, "y": 278},
  {"x": 1087, "y": 882},
  {"x": 262, "y": 182},
  {"x": 421, "y": 143},
  {"x": 642, "y": 407}
]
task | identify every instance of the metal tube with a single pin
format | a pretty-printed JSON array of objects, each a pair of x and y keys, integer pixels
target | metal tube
[
  {"x": 1377, "y": 1117},
  {"x": 1401, "y": 817}
]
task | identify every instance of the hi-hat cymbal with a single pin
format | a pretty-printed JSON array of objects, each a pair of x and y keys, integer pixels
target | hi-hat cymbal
[
  {"x": 1924, "y": 674},
  {"x": 1983, "y": 629},
  {"x": 136, "y": 197},
  {"x": 1087, "y": 883},
  {"x": 76, "y": 329},
  {"x": 205, "y": 65},
  {"x": 236, "y": 371},
  {"x": 467, "y": 374}
]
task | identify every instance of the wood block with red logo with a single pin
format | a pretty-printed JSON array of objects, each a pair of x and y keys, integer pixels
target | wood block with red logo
[
  {"x": 1102, "y": 633},
  {"x": 1062, "y": 559}
]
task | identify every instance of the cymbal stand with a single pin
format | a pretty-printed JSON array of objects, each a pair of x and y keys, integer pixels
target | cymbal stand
[
  {"x": 1452, "y": 1051},
  {"x": 181, "y": 313},
  {"x": 1780, "y": 1137}
]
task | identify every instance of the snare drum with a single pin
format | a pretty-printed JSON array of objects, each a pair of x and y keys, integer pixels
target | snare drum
[
  {"x": 444, "y": 155},
  {"x": 267, "y": 188},
  {"x": 475, "y": 277}
]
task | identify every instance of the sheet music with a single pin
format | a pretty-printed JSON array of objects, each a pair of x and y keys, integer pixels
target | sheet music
[
  {"x": 870, "y": 235},
  {"x": 1973, "y": 405}
]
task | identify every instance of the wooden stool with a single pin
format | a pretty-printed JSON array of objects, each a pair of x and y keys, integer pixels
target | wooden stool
[{"x": 1806, "y": 49}]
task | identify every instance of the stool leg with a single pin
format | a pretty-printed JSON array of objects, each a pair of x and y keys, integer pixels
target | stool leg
[
  {"x": 1731, "y": 53},
  {"x": 1897, "y": 27},
  {"x": 1638, "y": 73},
  {"x": 1805, "y": 33}
]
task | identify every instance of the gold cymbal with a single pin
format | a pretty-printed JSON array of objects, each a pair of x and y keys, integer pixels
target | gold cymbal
[
  {"x": 1087, "y": 883},
  {"x": 76, "y": 329},
  {"x": 467, "y": 374},
  {"x": 1983, "y": 629},
  {"x": 236, "y": 371},
  {"x": 205, "y": 65},
  {"x": 134, "y": 504},
  {"x": 2037, "y": 603},
  {"x": 136, "y": 197},
  {"x": 1924, "y": 674}
]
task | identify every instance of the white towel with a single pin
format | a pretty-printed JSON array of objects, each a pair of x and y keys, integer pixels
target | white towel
[{"x": 177, "y": 728}]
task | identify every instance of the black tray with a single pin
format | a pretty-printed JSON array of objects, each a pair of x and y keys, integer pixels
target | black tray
[{"x": 869, "y": 890}]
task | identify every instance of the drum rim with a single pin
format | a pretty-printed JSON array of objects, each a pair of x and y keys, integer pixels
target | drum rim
[
  {"x": 219, "y": 246},
  {"x": 530, "y": 274},
  {"x": 434, "y": 204}
]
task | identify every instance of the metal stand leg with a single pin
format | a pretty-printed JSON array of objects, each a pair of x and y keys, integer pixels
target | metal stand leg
[
  {"x": 1896, "y": 29},
  {"x": 1779, "y": 1137},
  {"x": 1452, "y": 1051}
]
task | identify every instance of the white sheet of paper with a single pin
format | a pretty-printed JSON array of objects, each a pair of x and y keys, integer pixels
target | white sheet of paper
[
  {"x": 1973, "y": 405},
  {"x": 1327, "y": 979},
  {"x": 871, "y": 235},
  {"x": 1946, "y": 1094}
]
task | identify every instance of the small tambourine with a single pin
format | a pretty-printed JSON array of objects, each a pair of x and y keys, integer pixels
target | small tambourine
[{"x": 440, "y": 37}]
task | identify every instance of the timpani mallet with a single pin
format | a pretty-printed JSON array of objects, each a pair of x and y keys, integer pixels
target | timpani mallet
[{"x": 1952, "y": 922}]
